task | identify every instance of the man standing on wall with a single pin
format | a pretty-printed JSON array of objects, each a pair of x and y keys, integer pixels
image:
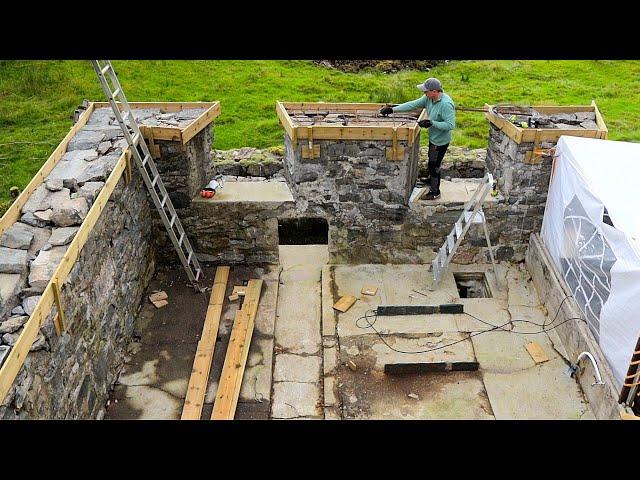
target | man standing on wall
[{"x": 441, "y": 120}]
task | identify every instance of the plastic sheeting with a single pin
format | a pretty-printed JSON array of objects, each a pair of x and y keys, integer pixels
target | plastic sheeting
[{"x": 591, "y": 228}]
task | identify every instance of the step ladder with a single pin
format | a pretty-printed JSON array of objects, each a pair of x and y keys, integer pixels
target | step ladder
[
  {"x": 472, "y": 213},
  {"x": 148, "y": 169}
]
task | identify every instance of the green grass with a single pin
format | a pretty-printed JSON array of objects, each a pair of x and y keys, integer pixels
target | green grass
[{"x": 37, "y": 98}]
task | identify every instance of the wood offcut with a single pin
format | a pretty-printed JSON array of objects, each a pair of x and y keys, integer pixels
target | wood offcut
[
  {"x": 344, "y": 303},
  {"x": 536, "y": 352}
]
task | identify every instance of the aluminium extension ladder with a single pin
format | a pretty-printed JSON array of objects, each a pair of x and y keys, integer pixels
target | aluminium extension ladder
[
  {"x": 472, "y": 213},
  {"x": 148, "y": 170}
]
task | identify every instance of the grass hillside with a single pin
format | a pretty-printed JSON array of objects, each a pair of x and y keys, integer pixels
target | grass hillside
[{"x": 37, "y": 98}]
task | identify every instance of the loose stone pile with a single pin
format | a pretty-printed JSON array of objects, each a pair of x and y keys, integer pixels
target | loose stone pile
[
  {"x": 350, "y": 118},
  {"x": 563, "y": 121},
  {"x": 72, "y": 378},
  {"x": 33, "y": 247}
]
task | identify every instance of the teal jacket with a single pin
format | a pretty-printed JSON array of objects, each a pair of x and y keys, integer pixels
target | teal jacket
[{"x": 441, "y": 113}]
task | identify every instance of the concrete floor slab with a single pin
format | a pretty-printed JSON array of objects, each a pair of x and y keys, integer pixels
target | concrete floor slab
[
  {"x": 528, "y": 319},
  {"x": 397, "y": 324},
  {"x": 459, "y": 191},
  {"x": 163, "y": 358},
  {"x": 521, "y": 289},
  {"x": 256, "y": 381},
  {"x": 250, "y": 192},
  {"x": 298, "y": 330},
  {"x": 447, "y": 395},
  {"x": 144, "y": 403},
  {"x": 292, "y": 400},
  {"x": 490, "y": 310},
  {"x": 436, "y": 347},
  {"x": 545, "y": 391},
  {"x": 296, "y": 368}
]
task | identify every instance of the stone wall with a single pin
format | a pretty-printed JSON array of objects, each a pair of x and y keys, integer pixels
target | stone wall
[
  {"x": 70, "y": 376},
  {"x": 574, "y": 334},
  {"x": 357, "y": 190},
  {"x": 233, "y": 232},
  {"x": 519, "y": 182},
  {"x": 420, "y": 229},
  {"x": 185, "y": 168}
]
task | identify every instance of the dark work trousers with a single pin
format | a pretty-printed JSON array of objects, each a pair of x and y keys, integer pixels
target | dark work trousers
[{"x": 436, "y": 154}]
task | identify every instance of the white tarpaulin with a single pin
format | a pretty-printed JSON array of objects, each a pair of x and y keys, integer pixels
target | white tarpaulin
[{"x": 591, "y": 228}]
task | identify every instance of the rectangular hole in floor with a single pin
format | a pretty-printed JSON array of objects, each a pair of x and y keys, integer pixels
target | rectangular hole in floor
[
  {"x": 472, "y": 284},
  {"x": 303, "y": 231}
]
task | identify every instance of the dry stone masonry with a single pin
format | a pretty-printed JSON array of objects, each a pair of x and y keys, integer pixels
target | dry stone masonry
[{"x": 69, "y": 376}]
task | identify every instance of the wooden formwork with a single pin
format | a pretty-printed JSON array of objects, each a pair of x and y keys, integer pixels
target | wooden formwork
[
  {"x": 384, "y": 130},
  {"x": 51, "y": 295},
  {"x": 541, "y": 135}
]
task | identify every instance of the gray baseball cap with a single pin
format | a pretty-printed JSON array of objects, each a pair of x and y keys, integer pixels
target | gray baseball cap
[{"x": 430, "y": 84}]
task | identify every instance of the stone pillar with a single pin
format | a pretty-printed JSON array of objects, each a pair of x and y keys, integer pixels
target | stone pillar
[
  {"x": 519, "y": 180},
  {"x": 363, "y": 196},
  {"x": 185, "y": 167}
]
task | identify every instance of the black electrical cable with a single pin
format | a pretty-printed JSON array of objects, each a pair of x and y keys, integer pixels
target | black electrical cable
[{"x": 374, "y": 315}]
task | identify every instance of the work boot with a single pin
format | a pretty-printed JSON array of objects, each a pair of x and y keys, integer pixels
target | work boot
[{"x": 432, "y": 196}]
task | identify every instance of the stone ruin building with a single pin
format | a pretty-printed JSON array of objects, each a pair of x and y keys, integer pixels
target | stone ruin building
[{"x": 82, "y": 249}]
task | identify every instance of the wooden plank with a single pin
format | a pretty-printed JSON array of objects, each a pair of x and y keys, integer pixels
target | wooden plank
[
  {"x": 331, "y": 106},
  {"x": 75, "y": 247},
  {"x": 369, "y": 290},
  {"x": 285, "y": 119},
  {"x": 173, "y": 134},
  {"x": 344, "y": 303},
  {"x": 201, "y": 122},
  {"x": 311, "y": 153},
  {"x": 604, "y": 131},
  {"x": 427, "y": 367},
  {"x": 199, "y": 379},
  {"x": 166, "y": 106},
  {"x": 58, "y": 320},
  {"x": 224, "y": 407},
  {"x": 13, "y": 214},
  {"x": 353, "y": 133},
  {"x": 628, "y": 416},
  {"x": 509, "y": 129},
  {"x": 536, "y": 352},
  {"x": 19, "y": 351}
]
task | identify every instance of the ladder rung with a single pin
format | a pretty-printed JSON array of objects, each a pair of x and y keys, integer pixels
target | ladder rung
[
  {"x": 154, "y": 181},
  {"x": 198, "y": 273},
  {"x": 146, "y": 159},
  {"x": 116, "y": 93},
  {"x": 181, "y": 239},
  {"x": 173, "y": 220},
  {"x": 189, "y": 257},
  {"x": 126, "y": 115},
  {"x": 104, "y": 69},
  {"x": 164, "y": 200},
  {"x": 135, "y": 139}
]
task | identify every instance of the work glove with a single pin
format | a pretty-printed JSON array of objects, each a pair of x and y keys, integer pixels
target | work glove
[
  {"x": 386, "y": 110},
  {"x": 424, "y": 123}
]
